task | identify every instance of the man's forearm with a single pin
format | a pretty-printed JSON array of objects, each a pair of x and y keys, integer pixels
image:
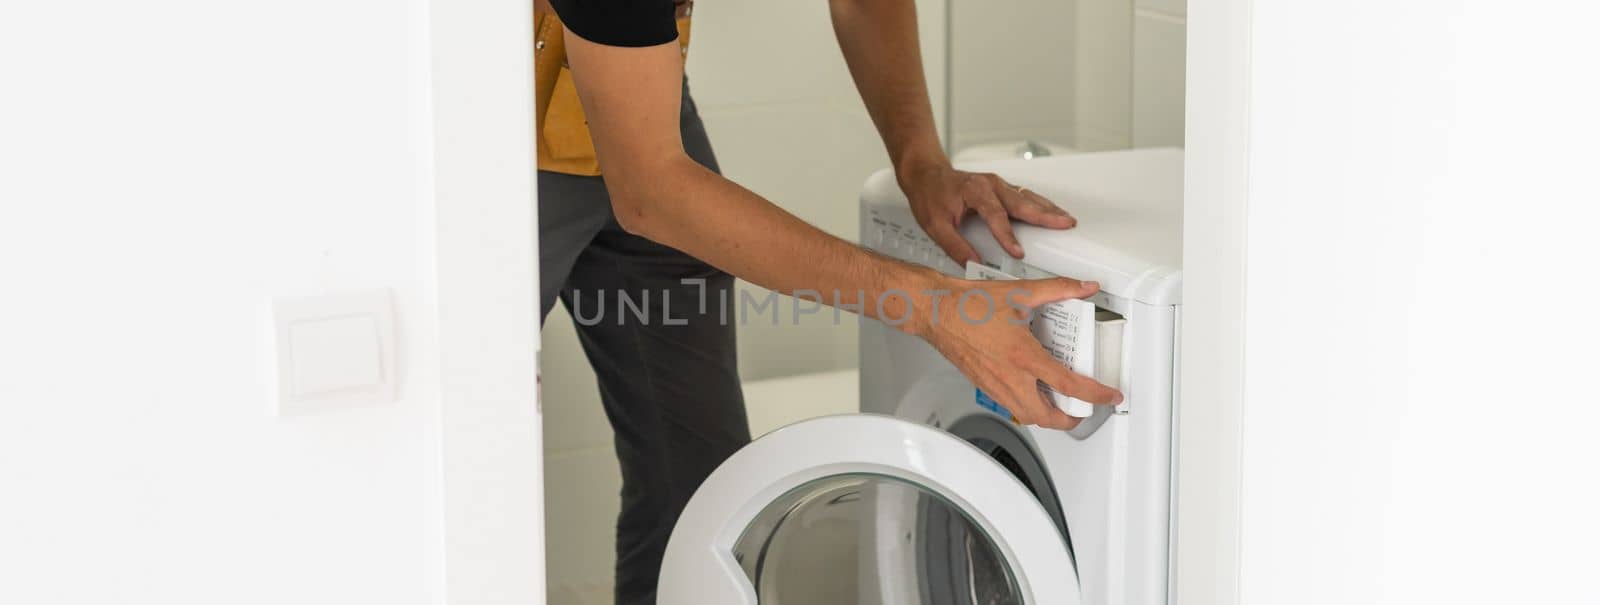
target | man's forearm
[
  {"x": 658, "y": 192},
  {"x": 716, "y": 220},
  {"x": 879, "y": 41}
]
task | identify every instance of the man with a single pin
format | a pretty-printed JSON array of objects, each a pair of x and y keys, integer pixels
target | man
[{"x": 663, "y": 221}]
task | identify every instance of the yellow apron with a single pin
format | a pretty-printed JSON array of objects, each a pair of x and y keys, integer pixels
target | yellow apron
[{"x": 563, "y": 144}]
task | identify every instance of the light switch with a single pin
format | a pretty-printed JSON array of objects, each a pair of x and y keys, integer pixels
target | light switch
[
  {"x": 335, "y": 354},
  {"x": 335, "y": 350}
]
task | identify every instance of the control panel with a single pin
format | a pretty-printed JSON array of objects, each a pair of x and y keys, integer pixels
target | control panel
[{"x": 900, "y": 237}]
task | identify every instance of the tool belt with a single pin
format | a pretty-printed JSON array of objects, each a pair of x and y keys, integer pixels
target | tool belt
[{"x": 563, "y": 144}]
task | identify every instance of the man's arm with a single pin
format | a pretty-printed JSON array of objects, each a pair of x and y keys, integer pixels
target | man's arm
[
  {"x": 632, "y": 97},
  {"x": 879, "y": 41}
]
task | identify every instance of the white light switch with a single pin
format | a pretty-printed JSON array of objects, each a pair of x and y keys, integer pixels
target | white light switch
[
  {"x": 335, "y": 354},
  {"x": 335, "y": 350}
]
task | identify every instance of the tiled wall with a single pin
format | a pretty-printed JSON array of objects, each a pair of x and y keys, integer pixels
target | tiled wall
[
  {"x": 1159, "y": 37},
  {"x": 1012, "y": 69},
  {"x": 1089, "y": 74}
]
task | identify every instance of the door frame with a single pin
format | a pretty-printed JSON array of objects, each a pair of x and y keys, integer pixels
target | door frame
[
  {"x": 1208, "y": 419},
  {"x": 485, "y": 234}
]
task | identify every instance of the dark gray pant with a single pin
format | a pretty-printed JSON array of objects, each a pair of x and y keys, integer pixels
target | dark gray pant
[{"x": 671, "y": 392}]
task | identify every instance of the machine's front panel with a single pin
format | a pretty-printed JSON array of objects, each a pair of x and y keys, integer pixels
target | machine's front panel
[
  {"x": 1112, "y": 485},
  {"x": 1111, "y": 478},
  {"x": 1115, "y": 484}
]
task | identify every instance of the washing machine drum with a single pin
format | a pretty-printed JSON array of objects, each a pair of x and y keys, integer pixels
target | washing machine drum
[{"x": 866, "y": 509}]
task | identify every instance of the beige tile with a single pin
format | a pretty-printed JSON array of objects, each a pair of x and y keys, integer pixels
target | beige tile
[
  {"x": 579, "y": 594},
  {"x": 573, "y": 418},
  {"x": 748, "y": 52},
  {"x": 768, "y": 350},
  {"x": 1103, "y": 52},
  {"x": 1158, "y": 86},
  {"x": 796, "y": 156},
  {"x": 760, "y": 52},
  {"x": 860, "y": 154},
  {"x": 779, "y": 402},
  {"x": 1172, "y": 8},
  {"x": 581, "y": 505},
  {"x": 931, "y": 22},
  {"x": 1057, "y": 134},
  {"x": 1090, "y": 139},
  {"x": 1012, "y": 68}
]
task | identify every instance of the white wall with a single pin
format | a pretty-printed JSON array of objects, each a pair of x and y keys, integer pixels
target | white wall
[
  {"x": 170, "y": 168},
  {"x": 1417, "y": 399}
]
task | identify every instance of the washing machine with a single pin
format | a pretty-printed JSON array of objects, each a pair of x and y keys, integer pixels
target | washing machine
[{"x": 933, "y": 496}]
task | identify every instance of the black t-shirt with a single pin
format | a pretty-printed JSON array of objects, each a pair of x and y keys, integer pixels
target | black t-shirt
[{"x": 620, "y": 22}]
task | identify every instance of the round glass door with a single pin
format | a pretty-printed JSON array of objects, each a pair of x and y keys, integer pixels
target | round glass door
[
  {"x": 870, "y": 539},
  {"x": 864, "y": 509}
]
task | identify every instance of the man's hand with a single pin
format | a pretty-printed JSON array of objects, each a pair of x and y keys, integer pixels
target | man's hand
[
  {"x": 879, "y": 40},
  {"x": 986, "y": 336},
  {"x": 941, "y": 197}
]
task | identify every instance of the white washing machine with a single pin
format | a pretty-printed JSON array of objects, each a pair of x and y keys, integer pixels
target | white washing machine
[{"x": 932, "y": 497}]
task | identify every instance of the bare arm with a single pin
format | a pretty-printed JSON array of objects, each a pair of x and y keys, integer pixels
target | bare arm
[
  {"x": 632, "y": 97},
  {"x": 659, "y": 192},
  {"x": 879, "y": 41}
]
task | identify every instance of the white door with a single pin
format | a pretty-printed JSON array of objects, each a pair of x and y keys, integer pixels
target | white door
[{"x": 865, "y": 509}]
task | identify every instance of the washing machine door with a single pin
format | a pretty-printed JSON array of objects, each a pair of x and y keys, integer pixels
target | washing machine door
[{"x": 864, "y": 509}]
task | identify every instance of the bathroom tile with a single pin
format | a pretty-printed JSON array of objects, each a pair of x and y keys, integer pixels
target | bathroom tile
[
  {"x": 1056, "y": 134},
  {"x": 785, "y": 349},
  {"x": 757, "y": 52},
  {"x": 573, "y": 418},
  {"x": 792, "y": 155},
  {"x": 592, "y": 593},
  {"x": 1172, "y": 8},
  {"x": 931, "y": 23},
  {"x": 779, "y": 402},
  {"x": 580, "y": 517},
  {"x": 750, "y": 52},
  {"x": 1103, "y": 68},
  {"x": 1012, "y": 67},
  {"x": 1158, "y": 86}
]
